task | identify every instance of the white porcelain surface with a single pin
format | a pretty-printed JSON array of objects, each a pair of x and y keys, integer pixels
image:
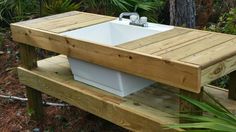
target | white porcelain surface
[
  {"x": 111, "y": 33},
  {"x": 115, "y": 32},
  {"x": 113, "y": 81}
]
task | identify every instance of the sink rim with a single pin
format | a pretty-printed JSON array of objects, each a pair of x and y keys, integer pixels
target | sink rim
[{"x": 152, "y": 27}]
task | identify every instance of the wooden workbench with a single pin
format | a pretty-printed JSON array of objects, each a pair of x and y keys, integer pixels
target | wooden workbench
[{"x": 183, "y": 58}]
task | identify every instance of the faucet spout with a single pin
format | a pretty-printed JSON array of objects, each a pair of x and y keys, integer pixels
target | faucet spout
[
  {"x": 128, "y": 14},
  {"x": 134, "y": 19}
]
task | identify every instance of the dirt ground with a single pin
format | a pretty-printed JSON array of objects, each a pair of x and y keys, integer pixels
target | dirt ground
[{"x": 14, "y": 116}]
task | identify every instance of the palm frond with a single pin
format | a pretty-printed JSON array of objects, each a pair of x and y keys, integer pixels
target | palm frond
[
  {"x": 59, "y": 6},
  {"x": 206, "y": 125},
  {"x": 149, "y": 8},
  {"x": 218, "y": 118}
]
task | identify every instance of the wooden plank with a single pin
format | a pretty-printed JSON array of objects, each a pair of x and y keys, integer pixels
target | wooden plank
[
  {"x": 154, "y": 38},
  {"x": 28, "y": 59},
  {"x": 110, "y": 107},
  {"x": 221, "y": 95},
  {"x": 163, "y": 97},
  {"x": 157, "y": 97},
  {"x": 56, "y": 67},
  {"x": 192, "y": 48},
  {"x": 178, "y": 40},
  {"x": 179, "y": 46},
  {"x": 77, "y": 25},
  {"x": 64, "y": 21},
  {"x": 183, "y": 75},
  {"x": 70, "y": 22},
  {"x": 232, "y": 85},
  {"x": 213, "y": 55},
  {"x": 218, "y": 70},
  {"x": 48, "y": 18}
]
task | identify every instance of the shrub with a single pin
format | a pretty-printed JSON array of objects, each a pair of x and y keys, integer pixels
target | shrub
[
  {"x": 226, "y": 23},
  {"x": 58, "y": 6},
  {"x": 16, "y": 10},
  {"x": 149, "y": 8}
]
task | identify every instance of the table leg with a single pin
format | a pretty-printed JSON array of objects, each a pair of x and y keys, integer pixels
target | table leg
[
  {"x": 29, "y": 61},
  {"x": 187, "y": 108},
  {"x": 232, "y": 86}
]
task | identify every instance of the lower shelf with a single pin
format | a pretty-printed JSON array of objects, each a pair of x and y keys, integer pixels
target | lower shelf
[{"x": 145, "y": 110}]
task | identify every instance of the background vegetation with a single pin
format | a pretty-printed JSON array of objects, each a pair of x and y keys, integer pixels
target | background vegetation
[
  {"x": 16, "y": 10},
  {"x": 222, "y": 19}
]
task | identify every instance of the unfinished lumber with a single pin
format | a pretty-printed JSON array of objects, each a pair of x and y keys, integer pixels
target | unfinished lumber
[{"x": 28, "y": 59}]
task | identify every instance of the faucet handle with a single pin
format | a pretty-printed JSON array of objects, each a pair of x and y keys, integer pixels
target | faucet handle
[
  {"x": 133, "y": 18},
  {"x": 143, "y": 20}
]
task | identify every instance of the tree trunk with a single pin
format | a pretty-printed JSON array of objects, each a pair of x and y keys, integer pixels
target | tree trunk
[{"x": 183, "y": 13}]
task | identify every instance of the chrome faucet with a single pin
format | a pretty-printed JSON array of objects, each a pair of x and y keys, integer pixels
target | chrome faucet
[
  {"x": 128, "y": 14},
  {"x": 134, "y": 19}
]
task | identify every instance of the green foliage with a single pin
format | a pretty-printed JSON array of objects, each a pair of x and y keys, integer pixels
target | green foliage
[
  {"x": 6, "y": 11},
  {"x": 149, "y": 8},
  {"x": 58, "y": 6},
  {"x": 226, "y": 23},
  {"x": 221, "y": 82},
  {"x": 217, "y": 118},
  {"x": 16, "y": 10},
  {"x": 228, "y": 20}
]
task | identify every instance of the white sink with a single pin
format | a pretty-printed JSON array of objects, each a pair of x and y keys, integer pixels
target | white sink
[
  {"x": 115, "y": 32},
  {"x": 111, "y": 33}
]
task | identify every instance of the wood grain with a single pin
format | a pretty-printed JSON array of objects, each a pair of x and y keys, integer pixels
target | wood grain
[
  {"x": 70, "y": 22},
  {"x": 154, "y": 38},
  {"x": 171, "y": 42},
  {"x": 49, "y": 18},
  {"x": 196, "y": 47},
  {"x": 212, "y": 55}
]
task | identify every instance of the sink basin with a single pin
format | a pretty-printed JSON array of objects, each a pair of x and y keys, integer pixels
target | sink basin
[
  {"x": 115, "y": 32},
  {"x": 111, "y": 34}
]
